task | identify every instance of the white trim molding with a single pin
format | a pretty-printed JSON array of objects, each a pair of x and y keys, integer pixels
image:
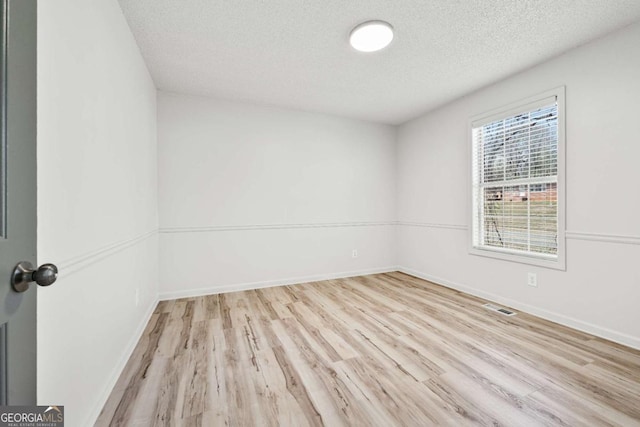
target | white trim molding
[
  {"x": 270, "y": 283},
  {"x": 626, "y": 239},
  {"x": 603, "y": 237},
  {"x": 82, "y": 261},
  {"x": 624, "y": 339},
  {"x": 433, "y": 225},
  {"x": 211, "y": 228}
]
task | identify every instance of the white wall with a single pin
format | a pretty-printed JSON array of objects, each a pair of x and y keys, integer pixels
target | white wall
[
  {"x": 253, "y": 196},
  {"x": 600, "y": 289},
  {"x": 97, "y": 201}
]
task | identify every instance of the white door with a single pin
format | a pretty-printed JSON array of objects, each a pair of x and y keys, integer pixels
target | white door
[{"x": 18, "y": 203}]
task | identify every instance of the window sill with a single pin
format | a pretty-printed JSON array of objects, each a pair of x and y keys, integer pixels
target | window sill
[{"x": 556, "y": 263}]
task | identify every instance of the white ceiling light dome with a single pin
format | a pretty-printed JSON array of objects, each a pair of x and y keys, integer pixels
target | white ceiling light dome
[{"x": 371, "y": 36}]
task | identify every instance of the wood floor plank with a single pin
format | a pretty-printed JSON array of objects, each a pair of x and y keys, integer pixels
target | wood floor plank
[
  {"x": 581, "y": 408},
  {"x": 378, "y": 350}
]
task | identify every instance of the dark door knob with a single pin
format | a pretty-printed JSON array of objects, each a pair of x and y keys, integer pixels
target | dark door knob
[{"x": 23, "y": 274}]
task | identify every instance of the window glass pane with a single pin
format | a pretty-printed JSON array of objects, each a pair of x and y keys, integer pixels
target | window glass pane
[
  {"x": 493, "y": 149},
  {"x": 544, "y": 219},
  {"x": 544, "y": 142},
  {"x": 517, "y": 147},
  {"x": 506, "y": 218},
  {"x": 493, "y": 219}
]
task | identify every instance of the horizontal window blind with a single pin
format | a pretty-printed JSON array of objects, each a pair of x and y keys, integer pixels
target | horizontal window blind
[{"x": 515, "y": 182}]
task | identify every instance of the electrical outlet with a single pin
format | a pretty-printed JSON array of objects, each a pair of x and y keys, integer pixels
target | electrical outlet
[
  {"x": 354, "y": 253},
  {"x": 137, "y": 297},
  {"x": 532, "y": 280}
]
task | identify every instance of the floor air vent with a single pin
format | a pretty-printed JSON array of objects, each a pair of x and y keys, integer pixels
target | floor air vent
[{"x": 500, "y": 309}]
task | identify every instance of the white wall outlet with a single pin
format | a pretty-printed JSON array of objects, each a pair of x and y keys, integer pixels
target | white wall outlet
[
  {"x": 137, "y": 297},
  {"x": 354, "y": 253},
  {"x": 532, "y": 279}
]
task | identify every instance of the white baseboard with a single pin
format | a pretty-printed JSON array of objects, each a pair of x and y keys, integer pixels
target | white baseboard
[
  {"x": 611, "y": 335},
  {"x": 117, "y": 370},
  {"x": 269, "y": 283}
]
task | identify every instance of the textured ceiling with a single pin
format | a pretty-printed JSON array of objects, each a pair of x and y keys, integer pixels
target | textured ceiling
[{"x": 295, "y": 53}]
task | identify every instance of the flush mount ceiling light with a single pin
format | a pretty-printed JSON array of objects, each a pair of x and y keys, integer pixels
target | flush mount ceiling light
[{"x": 371, "y": 36}]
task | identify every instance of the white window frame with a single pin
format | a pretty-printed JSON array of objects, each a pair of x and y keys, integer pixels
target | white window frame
[{"x": 556, "y": 262}]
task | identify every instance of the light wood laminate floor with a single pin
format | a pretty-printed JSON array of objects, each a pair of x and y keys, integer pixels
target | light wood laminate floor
[{"x": 379, "y": 350}]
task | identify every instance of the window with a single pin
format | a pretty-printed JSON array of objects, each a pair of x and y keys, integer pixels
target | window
[{"x": 517, "y": 176}]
